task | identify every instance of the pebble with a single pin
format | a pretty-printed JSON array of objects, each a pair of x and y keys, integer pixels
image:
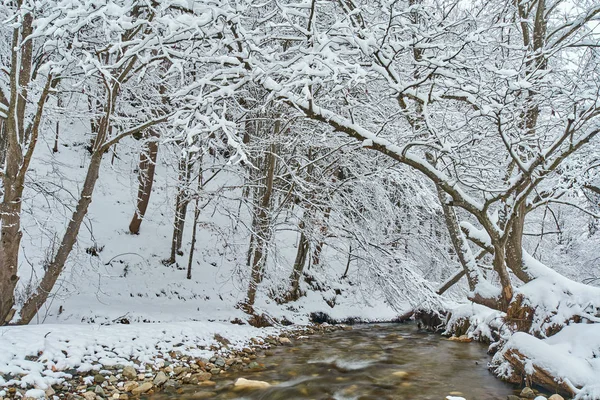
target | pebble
[
  {"x": 129, "y": 386},
  {"x": 203, "y": 395},
  {"x": 220, "y": 362},
  {"x": 556, "y": 397},
  {"x": 99, "y": 391},
  {"x": 129, "y": 372},
  {"x": 242, "y": 383},
  {"x": 143, "y": 388},
  {"x": 527, "y": 393},
  {"x": 202, "y": 376},
  {"x": 401, "y": 374},
  {"x": 160, "y": 379},
  {"x": 89, "y": 396}
]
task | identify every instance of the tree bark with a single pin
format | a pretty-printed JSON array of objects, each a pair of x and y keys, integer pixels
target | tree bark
[
  {"x": 262, "y": 225},
  {"x": 459, "y": 242},
  {"x": 181, "y": 203},
  {"x": 298, "y": 269},
  {"x": 514, "y": 246},
  {"x": 316, "y": 256},
  {"x": 195, "y": 224},
  {"x": 146, "y": 170}
]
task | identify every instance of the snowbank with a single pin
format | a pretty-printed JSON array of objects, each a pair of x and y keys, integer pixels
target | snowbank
[
  {"x": 556, "y": 299},
  {"x": 476, "y": 321},
  {"x": 571, "y": 358},
  {"x": 42, "y": 355}
]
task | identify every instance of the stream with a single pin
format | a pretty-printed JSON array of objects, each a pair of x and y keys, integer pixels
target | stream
[{"x": 389, "y": 361}]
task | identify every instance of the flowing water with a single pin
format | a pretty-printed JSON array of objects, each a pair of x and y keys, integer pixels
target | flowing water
[{"x": 391, "y": 361}]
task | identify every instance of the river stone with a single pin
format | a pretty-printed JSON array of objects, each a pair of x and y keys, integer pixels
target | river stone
[
  {"x": 400, "y": 374},
  {"x": 215, "y": 371},
  {"x": 220, "y": 362},
  {"x": 143, "y": 388},
  {"x": 180, "y": 370},
  {"x": 253, "y": 365},
  {"x": 513, "y": 397},
  {"x": 285, "y": 341},
  {"x": 89, "y": 396},
  {"x": 99, "y": 391},
  {"x": 129, "y": 386},
  {"x": 204, "y": 395},
  {"x": 243, "y": 383},
  {"x": 160, "y": 379},
  {"x": 50, "y": 392},
  {"x": 202, "y": 376},
  {"x": 527, "y": 393},
  {"x": 99, "y": 378},
  {"x": 539, "y": 397},
  {"x": 556, "y": 397},
  {"x": 129, "y": 372}
]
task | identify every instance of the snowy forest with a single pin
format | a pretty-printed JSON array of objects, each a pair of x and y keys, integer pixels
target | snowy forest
[{"x": 280, "y": 162}]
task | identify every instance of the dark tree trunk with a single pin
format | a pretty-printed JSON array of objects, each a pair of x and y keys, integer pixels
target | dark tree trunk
[
  {"x": 181, "y": 204},
  {"x": 299, "y": 263},
  {"x": 146, "y": 170},
  {"x": 195, "y": 225},
  {"x": 261, "y": 225}
]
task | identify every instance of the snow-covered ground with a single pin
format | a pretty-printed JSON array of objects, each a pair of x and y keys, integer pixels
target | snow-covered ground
[
  {"x": 126, "y": 279},
  {"x": 42, "y": 355}
]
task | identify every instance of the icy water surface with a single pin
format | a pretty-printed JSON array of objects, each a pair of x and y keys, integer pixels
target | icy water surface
[{"x": 380, "y": 362}]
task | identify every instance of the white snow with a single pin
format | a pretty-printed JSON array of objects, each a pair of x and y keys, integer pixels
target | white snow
[
  {"x": 39, "y": 355},
  {"x": 572, "y": 355}
]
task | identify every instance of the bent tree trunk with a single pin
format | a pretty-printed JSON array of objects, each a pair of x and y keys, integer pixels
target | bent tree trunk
[
  {"x": 146, "y": 170},
  {"x": 53, "y": 271}
]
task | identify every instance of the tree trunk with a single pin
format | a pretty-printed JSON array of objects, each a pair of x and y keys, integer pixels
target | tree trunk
[
  {"x": 514, "y": 246},
  {"x": 459, "y": 242},
  {"x": 146, "y": 170},
  {"x": 24, "y": 73},
  {"x": 11, "y": 226},
  {"x": 299, "y": 263},
  {"x": 53, "y": 271},
  {"x": 3, "y": 142},
  {"x": 500, "y": 268},
  {"x": 316, "y": 256},
  {"x": 262, "y": 226},
  {"x": 195, "y": 224},
  {"x": 181, "y": 203},
  {"x": 10, "y": 216}
]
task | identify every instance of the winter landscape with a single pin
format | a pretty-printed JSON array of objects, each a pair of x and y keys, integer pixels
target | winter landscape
[{"x": 300, "y": 199}]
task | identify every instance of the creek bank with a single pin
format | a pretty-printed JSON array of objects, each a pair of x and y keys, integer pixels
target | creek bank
[
  {"x": 565, "y": 363},
  {"x": 167, "y": 371}
]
